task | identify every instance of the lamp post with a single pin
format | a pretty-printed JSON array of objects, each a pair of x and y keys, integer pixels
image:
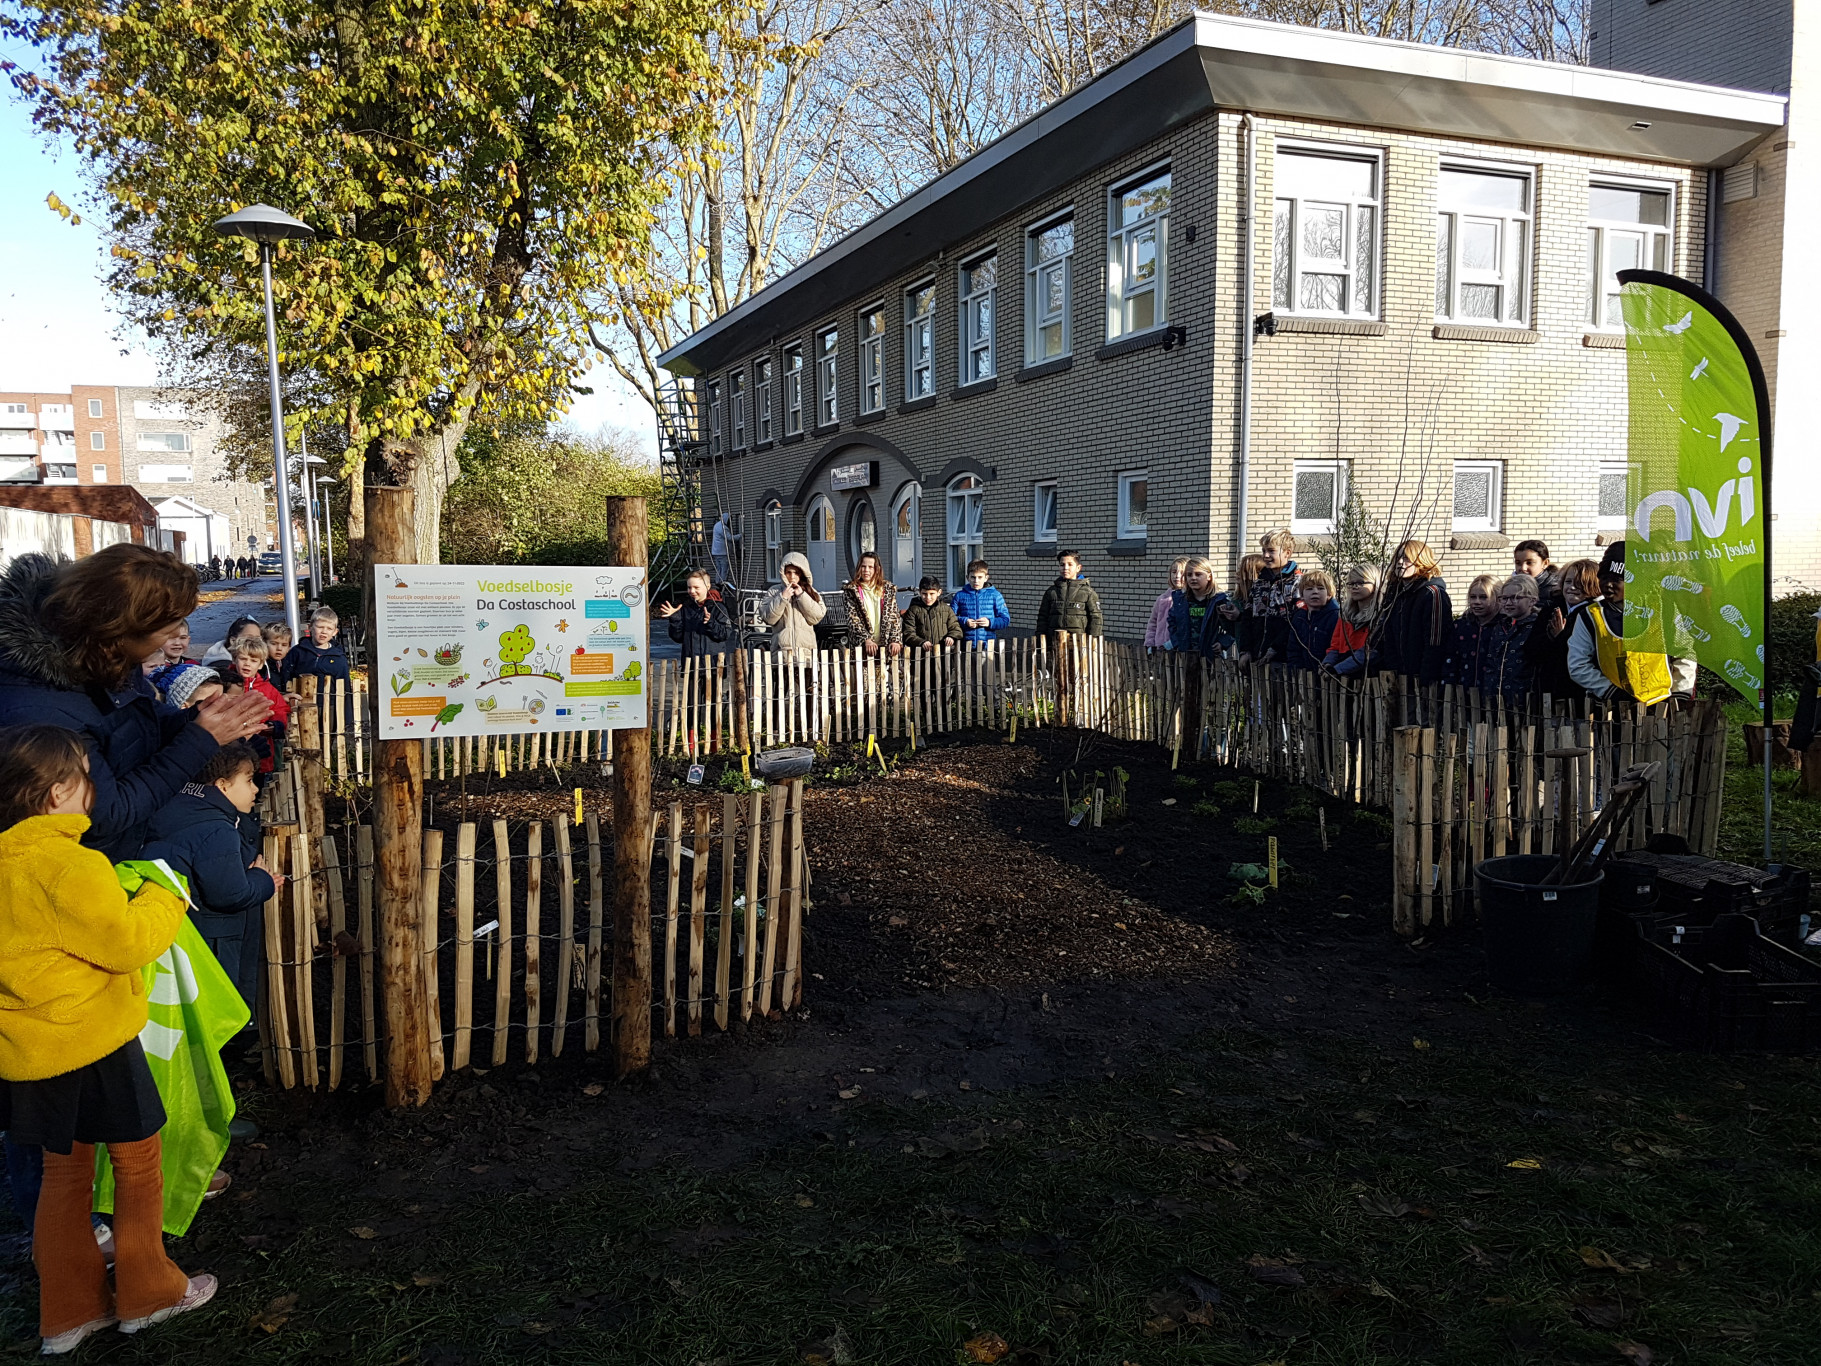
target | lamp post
[
  {"x": 268, "y": 226},
  {"x": 326, "y": 535},
  {"x": 312, "y": 541}
]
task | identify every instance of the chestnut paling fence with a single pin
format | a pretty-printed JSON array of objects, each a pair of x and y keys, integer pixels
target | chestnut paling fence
[{"x": 516, "y": 936}]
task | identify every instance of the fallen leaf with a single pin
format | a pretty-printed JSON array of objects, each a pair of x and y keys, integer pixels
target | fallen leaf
[
  {"x": 593, "y": 1088},
  {"x": 1271, "y": 1271},
  {"x": 425, "y": 1278},
  {"x": 1419, "y": 1044},
  {"x": 1527, "y": 1164},
  {"x": 1158, "y": 1326},
  {"x": 986, "y": 1347},
  {"x": 273, "y": 1316},
  {"x": 1604, "y": 1261},
  {"x": 1635, "y": 1352},
  {"x": 849, "y": 1093},
  {"x": 362, "y": 1231},
  {"x": 805, "y": 1202},
  {"x": 533, "y": 1327}
]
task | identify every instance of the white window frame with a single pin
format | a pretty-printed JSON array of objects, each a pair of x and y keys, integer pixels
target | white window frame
[
  {"x": 1037, "y": 317},
  {"x": 97, "y": 441},
  {"x": 1043, "y": 499},
  {"x": 97, "y": 474},
  {"x": 162, "y": 447},
  {"x": 1495, "y": 497},
  {"x": 793, "y": 389},
  {"x": 976, "y": 312},
  {"x": 965, "y": 525},
  {"x": 872, "y": 358},
  {"x": 1599, "y": 232},
  {"x": 1602, "y": 522},
  {"x": 920, "y": 343},
  {"x": 94, "y": 407},
  {"x": 1349, "y": 265},
  {"x": 162, "y": 474},
  {"x": 714, "y": 418},
  {"x": 736, "y": 402},
  {"x": 1121, "y": 238},
  {"x": 761, "y": 372},
  {"x": 1517, "y": 237},
  {"x": 774, "y": 542},
  {"x": 828, "y": 376},
  {"x": 14, "y": 409},
  {"x": 1128, "y": 529},
  {"x": 1319, "y": 526}
]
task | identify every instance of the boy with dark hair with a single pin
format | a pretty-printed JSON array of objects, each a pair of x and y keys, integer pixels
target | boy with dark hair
[
  {"x": 1532, "y": 557},
  {"x": 318, "y": 654},
  {"x": 209, "y": 834},
  {"x": 1069, "y": 604},
  {"x": 981, "y": 607},
  {"x": 930, "y": 624}
]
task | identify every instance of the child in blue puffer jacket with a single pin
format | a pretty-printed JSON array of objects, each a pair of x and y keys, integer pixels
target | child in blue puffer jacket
[
  {"x": 980, "y": 606},
  {"x": 1197, "y": 625},
  {"x": 1310, "y": 627}
]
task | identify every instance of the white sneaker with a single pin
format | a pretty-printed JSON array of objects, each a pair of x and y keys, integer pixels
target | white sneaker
[
  {"x": 68, "y": 1342},
  {"x": 201, "y": 1290}
]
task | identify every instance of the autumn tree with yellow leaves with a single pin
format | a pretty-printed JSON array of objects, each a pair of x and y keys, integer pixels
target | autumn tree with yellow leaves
[{"x": 480, "y": 177}]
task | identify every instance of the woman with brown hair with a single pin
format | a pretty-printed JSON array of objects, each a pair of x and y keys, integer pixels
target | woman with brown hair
[
  {"x": 72, "y": 637},
  {"x": 1413, "y": 638},
  {"x": 872, "y": 608},
  {"x": 1579, "y": 582}
]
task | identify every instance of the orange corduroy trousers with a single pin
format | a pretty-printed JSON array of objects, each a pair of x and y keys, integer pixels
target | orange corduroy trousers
[{"x": 72, "y": 1277}]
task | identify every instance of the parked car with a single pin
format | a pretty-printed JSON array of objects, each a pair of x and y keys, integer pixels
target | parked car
[{"x": 271, "y": 562}]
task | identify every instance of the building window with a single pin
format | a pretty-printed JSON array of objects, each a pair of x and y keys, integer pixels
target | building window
[
  {"x": 1138, "y": 230},
  {"x": 1612, "y": 495},
  {"x": 157, "y": 474},
  {"x": 978, "y": 296},
  {"x": 164, "y": 441},
  {"x": 1627, "y": 229},
  {"x": 98, "y": 474},
  {"x": 1482, "y": 247},
  {"x": 1048, "y": 250},
  {"x": 828, "y": 345},
  {"x": 872, "y": 359},
  {"x": 1134, "y": 498},
  {"x": 1325, "y": 234},
  {"x": 1479, "y": 493},
  {"x": 966, "y": 523},
  {"x": 793, "y": 391},
  {"x": 761, "y": 372},
  {"x": 774, "y": 542},
  {"x": 736, "y": 396},
  {"x": 714, "y": 419},
  {"x": 919, "y": 341},
  {"x": 1043, "y": 511},
  {"x": 97, "y": 441},
  {"x": 1320, "y": 491},
  {"x": 94, "y": 407},
  {"x": 15, "y": 409}
]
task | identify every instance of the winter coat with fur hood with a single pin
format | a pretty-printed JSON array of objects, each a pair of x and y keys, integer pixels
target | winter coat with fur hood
[
  {"x": 793, "y": 619},
  {"x": 141, "y": 751}
]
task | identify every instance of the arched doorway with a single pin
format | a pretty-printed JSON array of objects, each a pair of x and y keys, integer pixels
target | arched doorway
[
  {"x": 862, "y": 531},
  {"x": 822, "y": 543},
  {"x": 905, "y": 564}
]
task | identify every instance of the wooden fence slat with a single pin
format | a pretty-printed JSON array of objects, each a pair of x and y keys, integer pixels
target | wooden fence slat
[
  {"x": 338, "y": 972},
  {"x": 534, "y": 928},
  {"x": 698, "y": 912},
  {"x": 462, "y": 1044},
  {"x": 597, "y": 914},
  {"x": 673, "y": 863},
  {"x": 774, "y": 859},
  {"x": 502, "y": 938},
  {"x": 723, "y": 960},
  {"x": 363, "y": 883},
  {"x": 429, "y": 914},
  {"x": 565, "y": 936}
]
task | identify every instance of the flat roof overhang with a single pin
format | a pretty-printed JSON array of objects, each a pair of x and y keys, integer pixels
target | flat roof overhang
[{"x": 1213, "y": 62}]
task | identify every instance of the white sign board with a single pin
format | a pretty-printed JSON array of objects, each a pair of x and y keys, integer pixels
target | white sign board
[{"x": 464, "y": 649}]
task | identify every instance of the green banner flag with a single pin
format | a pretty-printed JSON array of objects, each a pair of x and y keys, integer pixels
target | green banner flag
[
  {"x": 1697, "y": 547},
  {"x": 194, "y": 1010}
]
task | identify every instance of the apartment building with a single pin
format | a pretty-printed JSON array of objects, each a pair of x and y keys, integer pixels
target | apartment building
[
  {"x": 1249, "y": 271},
  {"x": 157, "y": 441}
]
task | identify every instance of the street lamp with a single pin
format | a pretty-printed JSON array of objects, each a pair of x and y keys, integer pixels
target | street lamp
[
  {"x": 327, "y": 534},
  {"x": 312, "y": 540},
  {"x": 268, "y": 226}
]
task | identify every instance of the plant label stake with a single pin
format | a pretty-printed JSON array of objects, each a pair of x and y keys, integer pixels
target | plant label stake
[
  {"x": 578, "y": 806},
  {"x": 696, "y": 773},
  {"x": 1255, "y": 796},
  {"x": 500, "y": 754},
  {"x": 1271, "y": 851},
  {"x": 1321, "y": 820}
]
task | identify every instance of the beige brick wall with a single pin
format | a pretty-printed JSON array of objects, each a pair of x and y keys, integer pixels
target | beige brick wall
[{"x": 1396, "y": 406}]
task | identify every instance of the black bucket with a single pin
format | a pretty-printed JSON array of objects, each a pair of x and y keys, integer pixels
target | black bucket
[{"x": 1539, "y": 940}]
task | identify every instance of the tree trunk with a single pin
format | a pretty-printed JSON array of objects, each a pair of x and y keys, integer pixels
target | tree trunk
[
  {"x": 398, "y": 812},
  {"x": 627, "y": 530}
]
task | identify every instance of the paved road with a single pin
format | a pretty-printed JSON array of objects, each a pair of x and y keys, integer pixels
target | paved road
[{"x": 261, "y": 597}]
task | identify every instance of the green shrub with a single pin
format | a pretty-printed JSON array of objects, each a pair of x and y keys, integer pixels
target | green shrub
[
  {"x": 1204, "y": 807},
  {"x": 1232, "y": 791},
  {"x": 344, "y": 598},
  {"x": 1254, "y": 825},
  {"x": 1185, "y": 780}
]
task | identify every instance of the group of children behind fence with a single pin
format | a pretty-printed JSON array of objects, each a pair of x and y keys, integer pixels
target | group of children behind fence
[{"x": 1543, "y": 630}]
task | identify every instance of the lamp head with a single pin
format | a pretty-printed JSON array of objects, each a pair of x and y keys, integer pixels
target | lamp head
[{"x": 264, "y": 224}]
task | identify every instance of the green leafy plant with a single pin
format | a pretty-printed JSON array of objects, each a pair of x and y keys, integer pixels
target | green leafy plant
[
  {"x": 1254, "y": 825},
  {"x": 1187, "y": 780},
  {"x": 1204, "y": 807},
  {"x": 1231, "y": 792}
]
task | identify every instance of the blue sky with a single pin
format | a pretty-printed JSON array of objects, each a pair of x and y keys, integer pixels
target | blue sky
[{"x": 56, "y": 324}]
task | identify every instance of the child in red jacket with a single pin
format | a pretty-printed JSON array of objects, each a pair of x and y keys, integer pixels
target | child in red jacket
[{"x": 247, "y": 657}]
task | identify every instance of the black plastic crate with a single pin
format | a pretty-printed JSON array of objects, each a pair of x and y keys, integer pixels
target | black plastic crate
[
  {"x": 1698, "y": 889},
  {"x": 1726, "y": 987}
]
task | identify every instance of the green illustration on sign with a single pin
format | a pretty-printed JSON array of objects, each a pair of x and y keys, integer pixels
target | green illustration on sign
[{"x": 1695, "y": 540}]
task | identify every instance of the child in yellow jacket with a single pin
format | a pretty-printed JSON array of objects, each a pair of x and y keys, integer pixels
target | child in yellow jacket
[{"x": 72, "y": 1073}]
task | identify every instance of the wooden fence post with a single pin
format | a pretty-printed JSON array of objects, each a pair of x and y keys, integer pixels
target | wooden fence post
[
  {"x": 398, "y": 812},
  {"x": 626, "y": 541}
]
